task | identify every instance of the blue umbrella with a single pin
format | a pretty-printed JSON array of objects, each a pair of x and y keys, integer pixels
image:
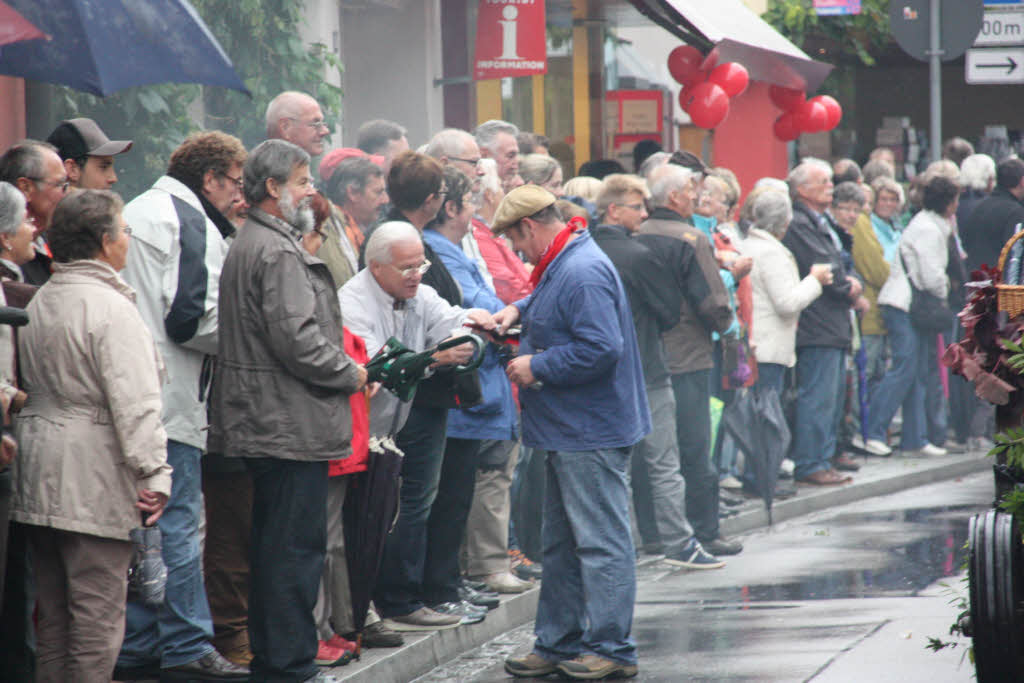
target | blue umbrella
[{"x": 102, "y": 46}]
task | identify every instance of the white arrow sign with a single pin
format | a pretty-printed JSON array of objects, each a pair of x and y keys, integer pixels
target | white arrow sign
[
  {"x": 1001, "y": 28},
  {"x": 995, "y": 65}
]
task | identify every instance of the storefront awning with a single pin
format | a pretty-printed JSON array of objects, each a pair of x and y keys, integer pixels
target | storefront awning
[{"x": 731, "y": 32}]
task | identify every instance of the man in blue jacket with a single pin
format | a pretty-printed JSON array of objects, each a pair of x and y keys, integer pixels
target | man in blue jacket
[{"x": 583, "y": 403}]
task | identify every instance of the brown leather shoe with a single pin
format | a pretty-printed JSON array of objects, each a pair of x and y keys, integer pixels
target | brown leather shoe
[
  {"x": 845, "y": 463},
  {"x": 825, "y": 478}
]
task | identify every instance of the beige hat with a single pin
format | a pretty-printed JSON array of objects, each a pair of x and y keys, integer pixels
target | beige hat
[{"x": 521, "y": 202}]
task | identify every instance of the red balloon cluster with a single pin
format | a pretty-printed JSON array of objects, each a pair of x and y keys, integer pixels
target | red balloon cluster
[
  {"x": 707, "y": 88},
  {"x": 802, "y": 115}
]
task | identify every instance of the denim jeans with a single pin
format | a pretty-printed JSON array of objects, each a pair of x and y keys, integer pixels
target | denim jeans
[
  {"x": 179, "y": 630},
  {"x": 289, "y": 543},
  {"x": 400, "y": 581},
  {"x": 693, "y": 432},
  {"x": 930, "y": 384},
  {"x": 900, "y": 385},
  {"x": 819, "y": 371},
  {"x": 771, "y": 376},
  {"x": 658, "y": 453},
  {"x": 589, "y": 585}
]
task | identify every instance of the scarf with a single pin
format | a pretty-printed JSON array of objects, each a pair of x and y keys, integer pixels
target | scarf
[{"x": 556, "y": 246}]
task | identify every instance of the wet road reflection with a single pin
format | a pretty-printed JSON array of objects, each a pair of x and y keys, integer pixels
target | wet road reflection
[{"x": 800, "y": 596}]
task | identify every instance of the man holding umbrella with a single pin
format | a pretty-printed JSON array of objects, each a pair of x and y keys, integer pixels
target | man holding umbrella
[{"x": 583, "y": 402}]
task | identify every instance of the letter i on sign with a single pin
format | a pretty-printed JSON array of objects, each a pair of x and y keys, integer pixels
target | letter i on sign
[{"x": 508, "y": 32}]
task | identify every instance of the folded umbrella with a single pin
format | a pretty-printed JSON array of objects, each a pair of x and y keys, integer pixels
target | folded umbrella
[
  {"x": 758, "y": 425},
  {"x": 400, "y": 369},
  {"x": 147, "y": 576},
  {"x": 103, "y": 47}
]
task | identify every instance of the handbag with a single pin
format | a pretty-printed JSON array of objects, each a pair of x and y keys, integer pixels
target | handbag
[{"x": 928, "y": 313}]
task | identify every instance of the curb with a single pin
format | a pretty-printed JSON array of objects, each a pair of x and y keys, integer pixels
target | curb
[{"x": 423, "y": 652}]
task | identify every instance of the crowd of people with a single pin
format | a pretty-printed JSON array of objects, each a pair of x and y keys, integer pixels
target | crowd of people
[{"x": 195, "y": 359}]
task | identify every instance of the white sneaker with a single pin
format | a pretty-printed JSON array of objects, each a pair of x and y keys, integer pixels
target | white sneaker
[
  {"x": 730, "y": 482},
  {"x": 932, "y": 451},
  {"x": 876, "y": 447},
  {"x": 787, "y": 467},
  {"x": 857, "y": 441},
  {"x": 980, "y": 443}
]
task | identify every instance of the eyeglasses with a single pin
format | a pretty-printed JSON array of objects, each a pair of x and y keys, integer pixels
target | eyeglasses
[
  {"x": 413, "y": 270},
  {"x": 639, "y": 206},
  {"x": 471, "y": 162},
  {"x": 239, "y": 182},
  {"x": 316, "y": 125},
  {"x": 62, "y": 184}
]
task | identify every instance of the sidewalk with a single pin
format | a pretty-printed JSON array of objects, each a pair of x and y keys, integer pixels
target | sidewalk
[{"x": 877, "y": 477}]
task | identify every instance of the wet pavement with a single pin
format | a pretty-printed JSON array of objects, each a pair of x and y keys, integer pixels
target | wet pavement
[{"x": 849, "y": 594}]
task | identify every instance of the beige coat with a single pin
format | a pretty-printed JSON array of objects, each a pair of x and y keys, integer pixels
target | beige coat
[
  {"x": 90, "y": 434},
  {"x": 779, "y": 296}
]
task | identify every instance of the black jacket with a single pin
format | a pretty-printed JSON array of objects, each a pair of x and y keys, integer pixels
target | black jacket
[
  {"x": 987, "y": 228},
  {"x": 826, "y": 322},
  {"x": 653, "y": 297}
]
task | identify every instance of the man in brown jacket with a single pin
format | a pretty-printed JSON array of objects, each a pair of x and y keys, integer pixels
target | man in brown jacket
[
  {"x": 705, "y": 308},
  {"x": 280, "y": 400}
]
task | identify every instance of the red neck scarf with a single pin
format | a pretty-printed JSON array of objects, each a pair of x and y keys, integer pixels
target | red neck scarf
[{"x": 556, "y": 246}]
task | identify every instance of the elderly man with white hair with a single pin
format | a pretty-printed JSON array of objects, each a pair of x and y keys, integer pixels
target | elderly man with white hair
[
  {"x": 297, "y": 118},
  {"x": 977, "y": 178},
  {"x": 824, "y": 331},
  {"x": 387, "y": 299},
  {"x": 497, "y": 140},
  {"x": 688, "y": 347}
]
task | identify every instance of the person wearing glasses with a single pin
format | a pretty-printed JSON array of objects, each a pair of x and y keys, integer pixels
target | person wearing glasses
[
  {"x": 174, "y": 264},
  {"x": 88, "y": 153},
  {"x": 297, "y": 118},
  {"x": 35, "y": 168},
  {"x": 391, "y": 298}
]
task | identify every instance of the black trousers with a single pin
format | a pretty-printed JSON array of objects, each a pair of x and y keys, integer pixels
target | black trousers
[
  {"x": 289, "y": 542},
  {"x": 446, "y": 525},
  {"x": 693, "y": 429}
]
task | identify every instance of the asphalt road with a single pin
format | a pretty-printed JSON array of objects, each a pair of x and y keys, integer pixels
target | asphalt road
[{"x": 840, "y": 596}]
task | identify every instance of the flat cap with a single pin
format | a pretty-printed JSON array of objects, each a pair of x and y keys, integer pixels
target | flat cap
[{"x": 521, "y": 202}]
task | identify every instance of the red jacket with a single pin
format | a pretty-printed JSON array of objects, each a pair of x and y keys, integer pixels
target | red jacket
[
  {"x": 511, "y": 279},
  {"x": 355, "y": 347}
]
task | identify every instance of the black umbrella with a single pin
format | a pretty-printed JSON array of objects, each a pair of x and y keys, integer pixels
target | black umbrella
[
  {"x": 758, "y": 425},
  {"x": 371, "y": 507},
  {"x": 102, "y": 47}
]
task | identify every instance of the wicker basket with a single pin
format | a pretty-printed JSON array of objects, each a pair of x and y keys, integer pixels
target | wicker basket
[{"x": 1010, "y": 297}]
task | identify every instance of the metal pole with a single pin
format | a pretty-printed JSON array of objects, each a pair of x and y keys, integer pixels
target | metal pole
[{"x": 935, "y": 78}]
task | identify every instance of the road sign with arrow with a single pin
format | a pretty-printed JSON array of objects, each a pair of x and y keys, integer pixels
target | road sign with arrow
[{"x": 1003, "y": 65}]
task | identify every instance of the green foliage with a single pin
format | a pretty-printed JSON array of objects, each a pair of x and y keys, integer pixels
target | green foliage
[
  {"x": 858, "y": 36},
  {"x": 262, "y": 39}
]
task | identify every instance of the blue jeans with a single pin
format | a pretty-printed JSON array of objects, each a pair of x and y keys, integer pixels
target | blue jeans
[
  {"x": 178, "y": 631},
  {"x": 771, "y": 376},
  {"x": 900, "y": 386},
  {"x": 589, "y": 584},
  {"x": 819, "y": 371},
  {"x": 934, "y": 410}
]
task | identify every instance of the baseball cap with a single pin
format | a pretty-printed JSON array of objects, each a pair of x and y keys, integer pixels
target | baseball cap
[
  {"x": 336, "y": 156},
  {"x": 521, "y": 202},
  {"x": 77, "y": 138}
]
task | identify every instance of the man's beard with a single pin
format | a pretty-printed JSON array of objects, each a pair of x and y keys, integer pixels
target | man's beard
[{"x": 299, "y": 215}]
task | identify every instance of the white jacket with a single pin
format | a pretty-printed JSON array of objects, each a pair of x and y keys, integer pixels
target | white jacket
[
  {"x": 778, "y": 297},
  {"x": 174, "y": 262},
  {"x": 925, "y": 250}
]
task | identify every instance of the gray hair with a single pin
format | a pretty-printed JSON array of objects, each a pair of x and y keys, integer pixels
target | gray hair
[
  {"x": 667, "y": 179},
  {"x": 489, "y": 181},
  {"x": 24, "y": 160},
  {"x": 448, "y": 143},
  {"x": 848, "y": 191},
  {"x": 285, "y": 105},
  {"x": 801, "y": 175},
  {"x": 537, "y": 168},
  {"x": 878, "y": 168},
  {"x": 373, "y": 136},
  {"x": 271, "y": 159},
  {"x": 772, "y": 183},
  {"x": 386, "y": 235},
  {"x": 12, "y": 208},
  {"x": 846, "y": 170},
  {"x": 773, "y": 212},
  {"x": 355, "y": 173},
  {"x": 487, "y": 132},
  {"x": 978, "y": 172},
  {"x": 887, "y": 184},
  {"x": 652, "y": 162}
]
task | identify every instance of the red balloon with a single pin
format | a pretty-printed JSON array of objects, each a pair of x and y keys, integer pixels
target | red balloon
[
  {"x": 708, "y": 105},
  {"x": 684, "y": 63},
  {"x": 684, "y": 97},
  {"x": 811, "y": 117},
  {"x": 785, "y": 127},
  {"x": 786, "y": 99},
  {"x": 732, "y": 77},
  {"x": 832, "y": 109}
]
